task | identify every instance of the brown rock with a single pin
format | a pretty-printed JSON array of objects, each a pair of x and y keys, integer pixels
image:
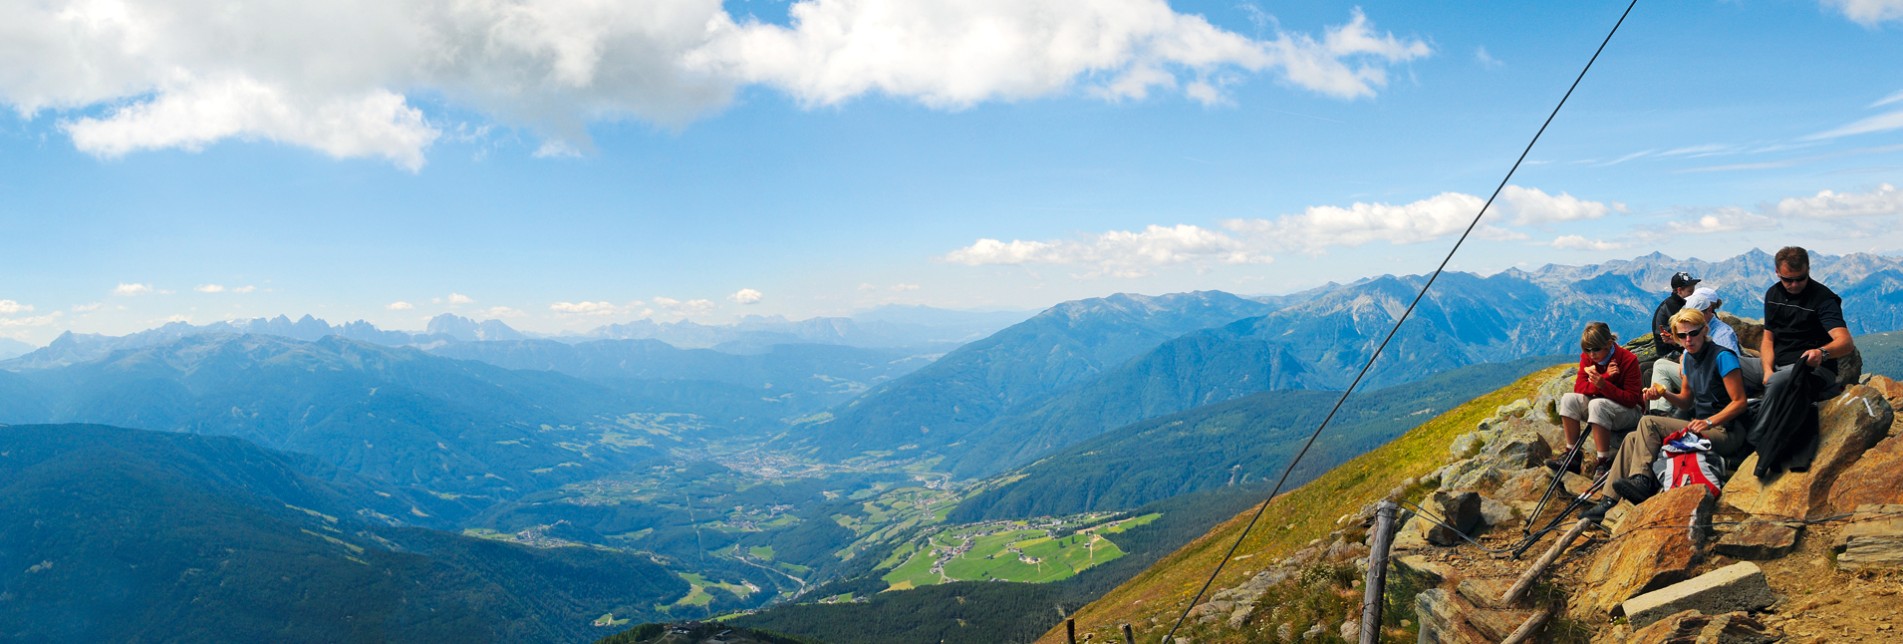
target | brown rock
[
  {"x": 1655, "y": 545},
  {"x": 1450, "y": 618},
  {"x": 1890, "y": 388},
  {"x": 1873, "y": 540},
  {"x": 1847, "y": 426},
  {"x": 1759, "y": 540},
  {"x": 1875, "y": 478},
  {"x": 1693, "y": 627}
]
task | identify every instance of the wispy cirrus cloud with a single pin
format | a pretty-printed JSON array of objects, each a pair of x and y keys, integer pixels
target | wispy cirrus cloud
[
  {"x": 1878, "y": 123},
  {"x": 165, "y": 74}
]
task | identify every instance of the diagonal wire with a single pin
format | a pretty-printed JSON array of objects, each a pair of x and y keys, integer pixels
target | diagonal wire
[{"x": 1397, "y": 325}]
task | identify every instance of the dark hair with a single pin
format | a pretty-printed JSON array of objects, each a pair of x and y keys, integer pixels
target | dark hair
[{"x": 1794, "y": 258}]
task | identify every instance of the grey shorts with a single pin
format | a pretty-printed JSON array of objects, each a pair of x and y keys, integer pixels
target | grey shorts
[{"x": 1599, "y": 411}]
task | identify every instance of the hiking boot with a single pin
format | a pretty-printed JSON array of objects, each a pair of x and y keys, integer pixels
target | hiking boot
[
  {"x": 1636, "y": 488},
  {"x": 1598, "y": 511},
  {"x": 1601, "y": 467},
  {"x": 1564, "y": 464}
]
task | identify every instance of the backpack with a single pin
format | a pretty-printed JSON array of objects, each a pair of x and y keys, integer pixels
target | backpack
[{"x": 1685, "y": 459}]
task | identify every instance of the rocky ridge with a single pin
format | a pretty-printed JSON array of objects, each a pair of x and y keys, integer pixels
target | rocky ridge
[{"x": 1810, "y": 556}]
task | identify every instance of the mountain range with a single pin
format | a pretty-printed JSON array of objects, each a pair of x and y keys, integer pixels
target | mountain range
[
  {"x": 124, "y": 535},
  {"x": 917, "y": 329},
  {"x": 1001, "y": 402}
]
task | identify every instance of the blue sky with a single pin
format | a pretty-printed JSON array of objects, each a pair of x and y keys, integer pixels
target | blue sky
[{"x": 563, "y": 165}]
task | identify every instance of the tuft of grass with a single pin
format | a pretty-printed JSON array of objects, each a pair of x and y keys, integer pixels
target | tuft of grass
[{"x": 1152, "y": 600}]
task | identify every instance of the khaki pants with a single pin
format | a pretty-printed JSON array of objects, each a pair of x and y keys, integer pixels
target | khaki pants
[{"x": 1642, "y": 446}]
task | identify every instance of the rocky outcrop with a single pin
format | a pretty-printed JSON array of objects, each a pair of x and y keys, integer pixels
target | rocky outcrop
[
  {"x": 1877, "y": 478},
  {"x": 1848, "y": 425},
  {"x": 1693, "y": 627},
  {"x": 1759, "y": 540},
  {"x": 1655, "y": 545},
  {"x": 1873, "y": 540}
]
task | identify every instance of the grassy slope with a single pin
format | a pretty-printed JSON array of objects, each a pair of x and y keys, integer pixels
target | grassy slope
[{"x": 1292, "y": 520}]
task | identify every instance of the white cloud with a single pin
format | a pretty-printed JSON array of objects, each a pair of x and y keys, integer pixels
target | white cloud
[
  {"x": 958, "y": 53},
  {"x": 87, "y": 308},
  {"x": 33, "y": 321},
  {"x": 679, "y": 308},
  {"x": 1534, "y": 206},
  {"x": 195, "y": 113},
  {"x": 1487, "y": 60},
  {"x": 458, "y": 298},
  {"x": 244, "y": 289},
  {"x": 1448, "y": 213},
  {"x": 400, "y": 305},
  {"x": 1577, "y": 242},
  {"x": 10, "y": 307},
  {"x": 1722, "y": 220},
  {"x": 1884, "y": 200},
  {"x": 1868, "y": 12},
  {"x": 1893, "y": 98},
  {"x": 210, "y": 288},
  {"x": 1878, "y": 123},
  {"x": 1118, "y": 253},
  {"x": 746, "y": 296},
  {"x": 903, "y": 287},
  {"x": 132, "y": 289},
  {"x": 585, "y": 308},
  {"x": 342, "y": 77},
  {"x": 500, "y": 312}
]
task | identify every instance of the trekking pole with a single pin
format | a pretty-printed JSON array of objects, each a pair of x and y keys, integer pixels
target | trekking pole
[
  {"x": 1580, "y": 500},
  {"x": 1559, "y": 480}
]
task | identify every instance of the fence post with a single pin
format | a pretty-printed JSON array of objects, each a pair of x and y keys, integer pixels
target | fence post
[
  {"x": 1128, "y": 636},
  {"x": 1374, "y": 586},
  {"x": 1070, "y": 630}
]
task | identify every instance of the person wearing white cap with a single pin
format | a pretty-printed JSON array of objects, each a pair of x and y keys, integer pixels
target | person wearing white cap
[{"x": 1705, "y": 299}]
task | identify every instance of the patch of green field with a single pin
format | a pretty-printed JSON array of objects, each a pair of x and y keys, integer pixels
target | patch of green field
[{"x": 761, "y": 552}]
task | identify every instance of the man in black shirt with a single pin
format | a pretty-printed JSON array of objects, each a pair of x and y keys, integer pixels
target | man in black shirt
[
  {"x": 1804, "y": 334},
  {"x": 1682, "y": 285}
]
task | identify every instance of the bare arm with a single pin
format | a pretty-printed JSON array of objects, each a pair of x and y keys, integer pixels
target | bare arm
[
  {"x": 1840, "y": 345},
  {"x": 1734, "y": 385},
  {"x": 1767, "y": 352}
]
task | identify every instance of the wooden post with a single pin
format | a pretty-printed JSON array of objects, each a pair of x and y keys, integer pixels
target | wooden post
[
  {"x": 1070, "y": 630},
  {"x": 1374, "y": 586},
  {"x": 1527, "y": 628},
  {"x": 1128, "y": 636},
  {"x": 1531, "y": 574}
]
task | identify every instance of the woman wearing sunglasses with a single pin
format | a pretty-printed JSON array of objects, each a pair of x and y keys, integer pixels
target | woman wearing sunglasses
[{"x": 1714, "y": 391}]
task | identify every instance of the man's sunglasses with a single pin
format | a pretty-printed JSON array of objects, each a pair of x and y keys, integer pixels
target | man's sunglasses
[
  {"x": 1794, "y": 280},
  {"x": 1690, "y": 334}
]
